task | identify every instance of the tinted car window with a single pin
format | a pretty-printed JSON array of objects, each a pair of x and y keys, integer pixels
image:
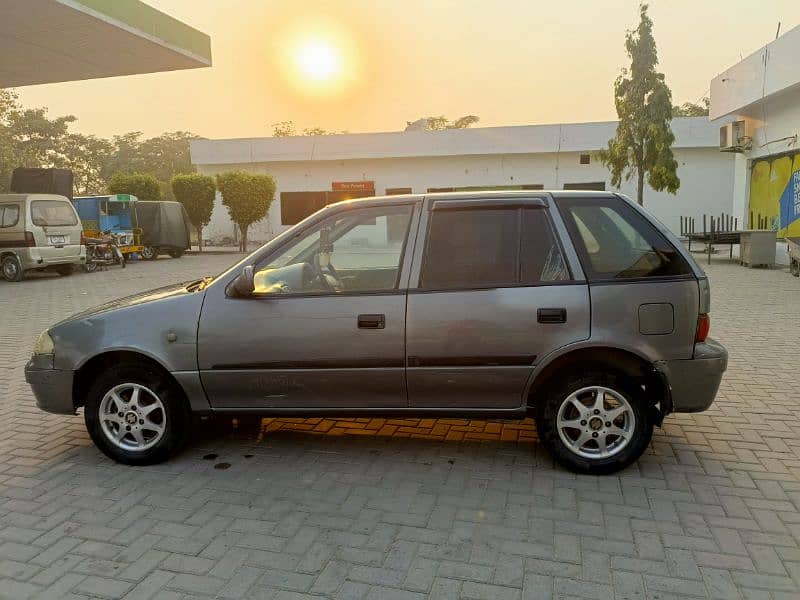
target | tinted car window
[
  {"x": 9, "y": 215},
  {"x": 475, "y": 248},
  {"x": 52, "y": 213},
  {"x": 471, "y": 248},
  {"x": 540, "y": 254},
  {"x": 616, "y": 242}
]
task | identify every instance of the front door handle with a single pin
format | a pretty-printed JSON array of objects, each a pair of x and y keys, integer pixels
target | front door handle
[
  {"x": 371, "y": 321},
  {"x": 551, "y": 315}
]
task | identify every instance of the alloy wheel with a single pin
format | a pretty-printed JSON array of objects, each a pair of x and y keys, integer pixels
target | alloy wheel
[
  {"x": 595, "y": 422},
  {"x": 132, "y": 417}
]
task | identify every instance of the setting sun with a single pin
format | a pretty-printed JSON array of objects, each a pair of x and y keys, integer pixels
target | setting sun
[{"x": 318, "y": 60}]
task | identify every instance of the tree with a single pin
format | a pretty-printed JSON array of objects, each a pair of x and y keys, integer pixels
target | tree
[
  {"x": 287, "y": 129},
  {"x": 643, "y": 142},
  {"x": 247, "y": 198},
  {"x": 441, "y": 123},
  {"x": 283, "y": 129},
  {"x": 196, "y": 192},
  {"x": 85, "y": 156},
  {"x": 692, "y": 109},
  {"x": 162, "y": 156},
  {"x": 141, "y": 185},
  {"x": 315, "y": 131}
]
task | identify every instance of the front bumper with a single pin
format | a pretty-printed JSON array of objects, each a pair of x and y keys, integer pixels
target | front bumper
[
  {"x": 51, "y": 387},
  {"x": 694, "y": 382}
]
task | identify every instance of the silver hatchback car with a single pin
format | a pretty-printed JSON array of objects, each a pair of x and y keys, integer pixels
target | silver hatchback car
[{"x": 577, "y": 308}]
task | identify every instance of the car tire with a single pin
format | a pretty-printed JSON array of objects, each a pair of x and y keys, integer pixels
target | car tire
[
  {"x": 176, "y": 253},
  {"x": 794, "y": 268},
  {"x": 611, "y": 430},
  {"x": 149, "y": 253},
  {"x": 65, "y": 270},
  {"x": 12, "y": 269},
  {"x": 147, "y": 403}
]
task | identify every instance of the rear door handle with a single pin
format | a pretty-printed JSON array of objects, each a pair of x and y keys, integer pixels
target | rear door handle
[
  {"x": 371, "y": 321},
  {"x": 551, "y": 315}
]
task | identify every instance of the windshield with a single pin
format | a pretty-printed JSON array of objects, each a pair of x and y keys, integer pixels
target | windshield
[{"x": 52, "y": 213}]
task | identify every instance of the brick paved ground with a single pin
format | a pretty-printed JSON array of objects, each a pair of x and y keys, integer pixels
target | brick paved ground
[{"x": 391, "y": 509}]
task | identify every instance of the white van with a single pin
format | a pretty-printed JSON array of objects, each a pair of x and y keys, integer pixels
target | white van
[{"x": 39, "y": 232}]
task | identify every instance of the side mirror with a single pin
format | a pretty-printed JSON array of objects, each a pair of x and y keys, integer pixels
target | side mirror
[{"x": 244, "y": 284}]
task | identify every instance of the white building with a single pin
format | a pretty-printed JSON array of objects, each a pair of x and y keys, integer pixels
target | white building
[
  {"x": 761, "y": 95},
  {"x": 531, "y": 156}
]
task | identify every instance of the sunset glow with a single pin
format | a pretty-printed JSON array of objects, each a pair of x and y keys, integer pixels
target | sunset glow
[{"x": 318, "y": 60}]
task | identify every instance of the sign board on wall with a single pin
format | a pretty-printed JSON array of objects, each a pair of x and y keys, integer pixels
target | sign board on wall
[
  {"x": 775, "y": 194},
  {"x": 353, "y": 186}
]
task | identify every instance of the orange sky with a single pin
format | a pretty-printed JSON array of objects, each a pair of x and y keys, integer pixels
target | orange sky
[{"x": 508, "y": 61}]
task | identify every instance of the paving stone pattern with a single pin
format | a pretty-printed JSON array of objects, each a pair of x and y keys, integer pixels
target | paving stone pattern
[{"x": 411, "y": 508}]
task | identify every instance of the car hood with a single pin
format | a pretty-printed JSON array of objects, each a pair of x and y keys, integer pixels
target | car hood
[{"x": 155, "y": 295}]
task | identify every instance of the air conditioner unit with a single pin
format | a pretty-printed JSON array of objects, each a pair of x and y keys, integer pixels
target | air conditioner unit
[{"x": 734, "y": 137}]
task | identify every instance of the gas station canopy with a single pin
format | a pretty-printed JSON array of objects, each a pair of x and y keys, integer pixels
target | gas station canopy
[{"x": 46, "y": 41}]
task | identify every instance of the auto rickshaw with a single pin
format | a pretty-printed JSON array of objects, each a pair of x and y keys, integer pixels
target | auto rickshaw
[{"x": 113, "y": 213}]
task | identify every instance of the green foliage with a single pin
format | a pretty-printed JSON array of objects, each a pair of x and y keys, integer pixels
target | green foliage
[
  {"x": 196, "y": 193},
  {"x": 643, "y": 142},
  {"x": 30, "y": 138},
  {"x": 441, "y": 123},
  {"x": 247, "y": 198},
  {"x": 283, "y": 129},
  {"x": 141, "y": 185},
  {"x": 287, "y": 129},
  {"x": 692, "y": 109},
  {"x": 85, "y": 156}
]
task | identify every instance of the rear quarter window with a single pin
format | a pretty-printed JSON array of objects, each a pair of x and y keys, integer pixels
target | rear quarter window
[
  {"x": 52, "y": 213},
  {"x": 614, "y": 241},
  {"x": 9, "y": 215}
]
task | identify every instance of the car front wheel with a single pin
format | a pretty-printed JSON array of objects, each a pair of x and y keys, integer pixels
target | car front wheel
[
  {"x": 597, "y": 423},
  {"x": 136, "y": 415}
]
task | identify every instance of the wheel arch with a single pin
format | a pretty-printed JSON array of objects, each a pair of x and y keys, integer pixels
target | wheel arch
[
  {"x": 624, "y": 361},
  {"x": 88, "y": 370}
]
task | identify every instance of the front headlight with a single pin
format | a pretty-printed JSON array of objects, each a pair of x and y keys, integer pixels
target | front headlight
[{"x": 44, "y": 345}]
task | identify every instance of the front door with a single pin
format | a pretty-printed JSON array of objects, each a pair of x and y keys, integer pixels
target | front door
[
  {"x": 325, "y": 327},
  {"x": 494, "y": 295}
]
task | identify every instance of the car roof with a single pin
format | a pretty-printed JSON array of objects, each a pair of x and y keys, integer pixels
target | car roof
[
  {"x": 475, "y": 195},
  {"x": 19, "y": 197}
]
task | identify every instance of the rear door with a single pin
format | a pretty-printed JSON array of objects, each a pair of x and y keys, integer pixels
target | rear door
[
  {"x": 491, "y": 294},
  {"x": 56, "y": 227},
  {"x": 645, "y": 295}
]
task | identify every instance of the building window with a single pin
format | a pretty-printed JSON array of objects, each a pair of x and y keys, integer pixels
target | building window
[
  {"x": 585, "y": 159},
  {"x": 597, "y": 186}
]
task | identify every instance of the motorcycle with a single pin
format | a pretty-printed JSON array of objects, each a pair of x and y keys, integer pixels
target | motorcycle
[{"x": 103, "y": 251}]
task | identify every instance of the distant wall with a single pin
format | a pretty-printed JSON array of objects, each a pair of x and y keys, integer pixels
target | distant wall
[{"x": 707, "y": 180}]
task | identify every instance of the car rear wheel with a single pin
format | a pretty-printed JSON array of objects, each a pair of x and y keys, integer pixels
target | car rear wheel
[
  {"x": 597, "y": 423},
  {"x": 794, "y": 268},
  {"x": 176, "y": 253},
  {"x": 136, "y": 415},
  {"x": 12, "y": 269}
]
